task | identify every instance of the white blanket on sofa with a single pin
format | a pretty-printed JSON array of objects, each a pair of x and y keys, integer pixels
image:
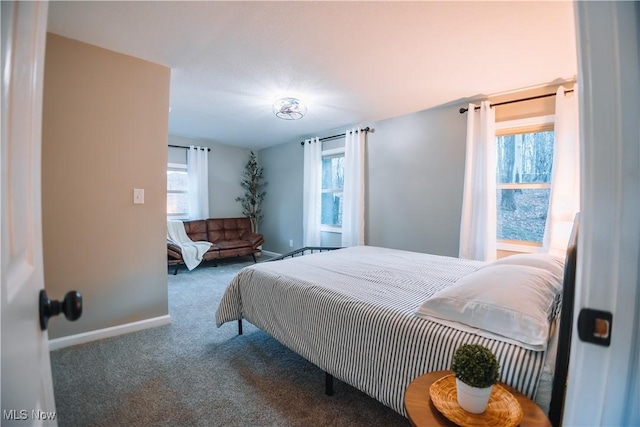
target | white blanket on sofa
[{"x": 192, "y": 252}]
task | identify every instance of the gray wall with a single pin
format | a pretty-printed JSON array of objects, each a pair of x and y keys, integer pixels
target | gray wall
[
  {"x": 415, "y": 176},
  {"x": 282, "y": 206},
  {"x": 414, "y": 181},
  {"x": 226, "y": 164}
]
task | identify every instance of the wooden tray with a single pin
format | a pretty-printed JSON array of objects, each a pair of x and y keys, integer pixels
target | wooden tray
[{"x": 503, "y": 410}]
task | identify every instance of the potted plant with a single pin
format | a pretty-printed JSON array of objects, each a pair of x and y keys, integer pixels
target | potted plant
[
  {"x": 476, "y": 370},
  {"x": 254, "y": 191}
]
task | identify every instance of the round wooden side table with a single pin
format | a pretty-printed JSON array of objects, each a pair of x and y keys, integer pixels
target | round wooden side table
[{"x": 421, "y": 411}]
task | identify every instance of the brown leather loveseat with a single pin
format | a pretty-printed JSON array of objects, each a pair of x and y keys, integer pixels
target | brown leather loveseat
[{"x": 229, "y": 237}]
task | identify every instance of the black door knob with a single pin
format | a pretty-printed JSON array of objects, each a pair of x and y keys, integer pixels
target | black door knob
[{"x": 71, "y": 306}]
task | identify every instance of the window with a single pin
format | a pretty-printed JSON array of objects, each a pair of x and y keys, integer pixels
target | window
[
  {"x": 524, "y": 159},
  {"x": 177, "y": 191},
  {"x": 332, "y": 189}
]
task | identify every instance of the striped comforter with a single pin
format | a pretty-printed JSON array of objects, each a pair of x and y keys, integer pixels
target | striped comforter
[{"x": 351, "y": 313}]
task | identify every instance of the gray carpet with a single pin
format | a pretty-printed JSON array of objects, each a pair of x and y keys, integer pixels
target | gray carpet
[{"x": 191, "y": 373}]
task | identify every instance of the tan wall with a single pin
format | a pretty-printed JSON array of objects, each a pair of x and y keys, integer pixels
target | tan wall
[{"x": 105, "y": 127}]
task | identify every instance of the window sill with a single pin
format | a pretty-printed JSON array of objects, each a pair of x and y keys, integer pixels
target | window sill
[
  {"x": 330, "y": 229},
  {"x": 523, "y": 248}
]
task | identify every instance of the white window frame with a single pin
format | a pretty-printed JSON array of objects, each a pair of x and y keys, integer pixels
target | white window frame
[
  {"x": 516, "y": 245},
  {"x": 331, "y": 153},
  {"x": 180, "y": 167}
]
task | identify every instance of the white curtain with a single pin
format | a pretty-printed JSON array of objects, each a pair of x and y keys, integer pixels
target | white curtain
[
  {"x": 198, "y": 175},
  {"x": 353, "y": 193},
  {"x": 312, "y": 192},
  {"x": 564, "y": 201},
  {"x": 478, "y": 225}
]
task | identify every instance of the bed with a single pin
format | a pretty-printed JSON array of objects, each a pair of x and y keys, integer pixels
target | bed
[{"x": 373, "y": 317}]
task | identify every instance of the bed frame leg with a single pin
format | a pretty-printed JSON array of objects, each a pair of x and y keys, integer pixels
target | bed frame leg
[
  {"x": 328, "y": 384},
  {"x": 239, "y": 326}
]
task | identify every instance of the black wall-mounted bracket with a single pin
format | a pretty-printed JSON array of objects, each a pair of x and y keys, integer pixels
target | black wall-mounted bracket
[{"x": 595, "y": 326}]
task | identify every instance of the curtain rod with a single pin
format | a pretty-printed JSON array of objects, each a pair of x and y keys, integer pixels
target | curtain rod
[
  {"x": 464, "y": 110},
  {"x": 182, "y": 146},
  {"x": 367, "y": 129}
]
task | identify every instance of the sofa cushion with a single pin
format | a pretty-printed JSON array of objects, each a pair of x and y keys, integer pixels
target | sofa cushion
[
  {"x": 196, "y": 230},
  {"x": 232, "y": 244},
  {"x": 227, "y": 229}
]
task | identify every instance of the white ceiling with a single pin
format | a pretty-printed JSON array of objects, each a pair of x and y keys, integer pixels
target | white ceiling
[{"x": 351, "y": 62}]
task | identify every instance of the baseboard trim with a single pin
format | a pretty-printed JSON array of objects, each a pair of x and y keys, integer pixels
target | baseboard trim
[
  {"x": 99, "y": 334},
  {"x": 270, "y": 254}
]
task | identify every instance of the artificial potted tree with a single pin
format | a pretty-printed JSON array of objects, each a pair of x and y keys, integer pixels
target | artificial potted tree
[
  {"x": 254, "y": 191},
  {"x": 476, "y": 370}
]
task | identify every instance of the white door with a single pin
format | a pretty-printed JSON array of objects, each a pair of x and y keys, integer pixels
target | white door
[
  {"x": 604, "y": 382},
  {"x": 27, "y": 389}
]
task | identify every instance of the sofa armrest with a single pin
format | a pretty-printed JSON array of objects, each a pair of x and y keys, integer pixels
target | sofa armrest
[
  {"x": 174, "y": 251},
  {"x": 255, "y": 239}
]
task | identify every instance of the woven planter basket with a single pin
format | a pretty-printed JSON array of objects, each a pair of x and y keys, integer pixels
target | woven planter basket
[{"x": 502, "y": 410}]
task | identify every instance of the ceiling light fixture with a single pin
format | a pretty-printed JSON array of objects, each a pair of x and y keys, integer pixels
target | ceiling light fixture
[{"x": 289, "y": 109}]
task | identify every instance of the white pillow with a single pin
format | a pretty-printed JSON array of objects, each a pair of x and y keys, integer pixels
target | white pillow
[
  {"x": 512, "y": 301},
  {"x": 546, "y": 261}
]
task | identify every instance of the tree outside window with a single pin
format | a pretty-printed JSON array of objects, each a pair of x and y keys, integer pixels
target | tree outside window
[
  {"x": 524, "y": 161},
  {"x": 332, "y": 190}
]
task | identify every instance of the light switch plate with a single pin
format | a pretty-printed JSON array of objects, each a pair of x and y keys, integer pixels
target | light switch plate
[{"x": 138, "y": 196}]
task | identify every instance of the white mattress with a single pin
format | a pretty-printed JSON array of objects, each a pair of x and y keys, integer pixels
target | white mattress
[{"x": 351, "y": 313}]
